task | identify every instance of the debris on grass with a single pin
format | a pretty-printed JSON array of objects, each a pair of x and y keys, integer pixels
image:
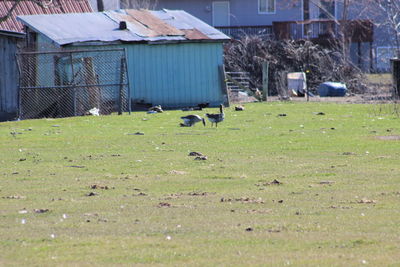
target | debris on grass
[
  {"x": 41, "y": 210},
  {"x": 339, "y": 207},
  {"x": 14, "y": 197},
  {"x": 137, "y": 133},
  {"x": 139, "y": 194},
  {"x": 327, "y": 182},
  {"x": 163, "y": 204},
  {"x": 103, "y": 187},
  {"x": 254, "y": 211},
  {"x": 23, "y": 211},
  {"x": 274, "y": 231},
  {"x": 76, "y": 166},
  {"x": 201, "y": 158},
  {"x": 243, "y": 200},
  {"x": 198, "y": 194},
  {"x": 174, "y": 196},
  {"x": 191, "y": 194},
  {"x": 366, "y": 201},
  {"x": 388, "y": 137},
  {"x": 195, "y": 154},
  {"x": 91, "y": 214},
  {"x": 175, "y": 172},
  {"x": 348, "y": 153},
  {"x": 94, "y": 112},
  {"x": 274, "y": 182}
]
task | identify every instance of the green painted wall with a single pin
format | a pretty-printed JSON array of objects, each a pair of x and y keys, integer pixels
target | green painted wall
[{"x": 173, "y": 75}]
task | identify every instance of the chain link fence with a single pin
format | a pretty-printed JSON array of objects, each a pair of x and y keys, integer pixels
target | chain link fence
[{"x": 72, "y": 83}]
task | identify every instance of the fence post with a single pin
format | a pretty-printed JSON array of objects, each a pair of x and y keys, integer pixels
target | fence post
[
  {"x": 265, "y": 67},
  {"x": 18, "y": 59},
  {"x": 121, "y": 87},
  {"x": 396, "y": 76},
  {"x": 224, "y": 89},
  {"x": 73, "y": 81}
]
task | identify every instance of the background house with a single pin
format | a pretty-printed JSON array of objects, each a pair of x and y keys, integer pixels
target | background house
[
  {"x": 102, "y": 5},
  {"x": 12, "y": 36},
  {"x": 370, "y": 44},
  {"x": 173, "y": 58}
]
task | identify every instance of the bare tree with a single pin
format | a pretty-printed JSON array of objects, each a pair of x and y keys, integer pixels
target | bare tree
[
  {"x": 390, "y": 13},
  {"x": 139, "y": 4},
  {"x": 347, "y": 10}
]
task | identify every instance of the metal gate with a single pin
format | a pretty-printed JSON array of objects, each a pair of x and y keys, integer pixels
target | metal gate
[{"x": 72, "y": 83}]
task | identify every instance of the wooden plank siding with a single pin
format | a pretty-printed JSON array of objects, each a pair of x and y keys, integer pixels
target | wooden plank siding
[{"x": 8, "y": 74}]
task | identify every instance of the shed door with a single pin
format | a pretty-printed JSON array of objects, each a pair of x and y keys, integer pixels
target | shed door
[{"x": 221, "y": 13}]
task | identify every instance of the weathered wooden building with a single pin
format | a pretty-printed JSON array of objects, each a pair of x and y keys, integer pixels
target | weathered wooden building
[
  {"x": 173, "y": 58},
  {"x": 12, "y": 36}
]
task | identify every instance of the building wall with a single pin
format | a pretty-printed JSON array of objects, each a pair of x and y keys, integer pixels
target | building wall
[
  {"x": 243, "y": 12},
  {"x": 175, "y": 74},
  {"x": 8, "y": 74}
]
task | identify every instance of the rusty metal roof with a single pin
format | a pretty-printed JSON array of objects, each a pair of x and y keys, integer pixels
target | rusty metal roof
[
  {"x": 141, "y": 26},
  {"x": 31, "y": 8}
]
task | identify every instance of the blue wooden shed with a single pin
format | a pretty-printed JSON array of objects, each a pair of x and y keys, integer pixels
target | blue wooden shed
[{"x": 173, "y": 58}]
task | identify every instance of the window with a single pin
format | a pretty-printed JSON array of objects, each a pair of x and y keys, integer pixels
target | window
[
  {"x": 266, "y": 6},
  {"x": 327, "y": 9}
]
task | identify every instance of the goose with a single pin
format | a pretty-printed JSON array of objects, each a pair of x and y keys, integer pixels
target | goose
[
  {"x": 155, "y": 109},
  {"x": 191, "y": 120},
  {"x": 215, "y": 118}
]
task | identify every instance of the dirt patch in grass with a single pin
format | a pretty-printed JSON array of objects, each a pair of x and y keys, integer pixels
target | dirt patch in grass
[{"x": 388, "y": 137}]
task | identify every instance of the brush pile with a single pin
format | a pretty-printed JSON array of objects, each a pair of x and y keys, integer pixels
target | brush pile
[{"x": 320, "y": 64}]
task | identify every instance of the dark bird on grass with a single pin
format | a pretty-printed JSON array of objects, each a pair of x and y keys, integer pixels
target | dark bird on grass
[
  {"x": 239, "y": 108},
  {"x": 216, "y": 118},
  {"x": 156, "y": 109},
  {"x": 191, "y": 120},
  {"x": 202, "y": 105}
]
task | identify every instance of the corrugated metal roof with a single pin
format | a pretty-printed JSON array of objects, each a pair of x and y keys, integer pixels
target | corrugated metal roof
[
  {"x": 31, "y": 8},
  {"x": 142, "y": 25}
]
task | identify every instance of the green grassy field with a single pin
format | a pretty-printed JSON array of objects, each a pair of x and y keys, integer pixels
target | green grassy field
[{"x": 89, "y": 191}]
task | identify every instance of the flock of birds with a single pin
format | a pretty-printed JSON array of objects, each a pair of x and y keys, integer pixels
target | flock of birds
[{"x": 191, "y": 120}]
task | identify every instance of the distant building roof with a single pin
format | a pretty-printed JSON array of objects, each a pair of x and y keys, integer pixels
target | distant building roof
[
  {"x": 141, "y": 26},
  {"x": 27, "y": 7}
]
